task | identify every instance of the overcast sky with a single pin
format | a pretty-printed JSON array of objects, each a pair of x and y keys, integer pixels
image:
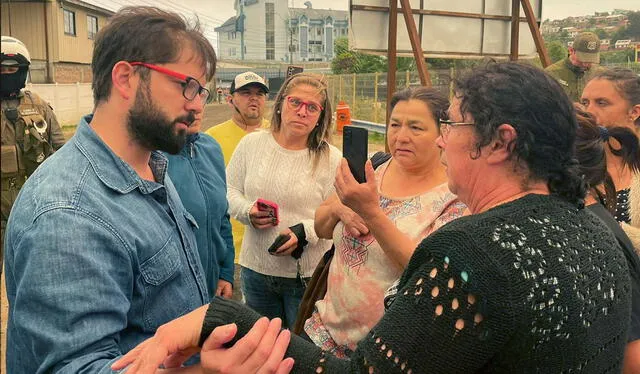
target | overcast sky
[
  {"x": 553, "y": 9},
  {"x": 212, "y": 13}
]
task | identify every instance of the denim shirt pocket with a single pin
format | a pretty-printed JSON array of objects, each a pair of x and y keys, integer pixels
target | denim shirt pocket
[
  {"x": 159, "y": 290},
  {"x": 161, "y": 266}
]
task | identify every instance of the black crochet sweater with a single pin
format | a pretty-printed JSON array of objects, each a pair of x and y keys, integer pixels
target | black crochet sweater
[{"x": 534, "y": 285}]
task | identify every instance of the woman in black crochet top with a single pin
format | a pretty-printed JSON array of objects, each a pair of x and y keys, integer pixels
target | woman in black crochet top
[{"x": 531, "y": 282}]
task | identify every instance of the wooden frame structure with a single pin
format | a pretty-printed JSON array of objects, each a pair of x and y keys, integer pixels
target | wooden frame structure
[{"x": 416, "y": 47}]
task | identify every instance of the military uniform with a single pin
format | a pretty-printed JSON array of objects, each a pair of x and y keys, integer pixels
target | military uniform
[
  {"x": 571, "y": 78},
  {"x": 30, "y": 133}
]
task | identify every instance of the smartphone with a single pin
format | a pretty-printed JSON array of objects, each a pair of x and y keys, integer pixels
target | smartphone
[
  {"x": 271, "y": 207},
  {"x": 278, "y": 242},
  {"x": 293, "y": 70},
  {"x": 355, "y": 142}
]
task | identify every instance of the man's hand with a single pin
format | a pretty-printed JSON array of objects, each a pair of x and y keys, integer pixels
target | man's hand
[
  {"x": 224, "y": 289},
  {"x": 173, "y": 343}
]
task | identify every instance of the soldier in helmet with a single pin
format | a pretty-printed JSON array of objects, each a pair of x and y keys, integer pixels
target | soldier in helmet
[{"x": 30, "y": 131}]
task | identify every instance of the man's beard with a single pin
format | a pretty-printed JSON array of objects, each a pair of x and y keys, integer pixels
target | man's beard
[{"x": 150, "y": 128}]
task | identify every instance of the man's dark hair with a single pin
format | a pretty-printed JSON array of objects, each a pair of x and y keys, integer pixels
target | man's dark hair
[
  {"x": 145, "y": 34},
  {"x": 437, "y": 102},
  {"x": 541, "y": 113}
]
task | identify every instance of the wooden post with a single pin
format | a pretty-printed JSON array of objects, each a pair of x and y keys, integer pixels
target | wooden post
[
  {"x": 375, "y": 97},
  {"x": 515, "y": 29},
  {"x": 535, "y": 32},
  {"x": 391, "y": 54},
  {"x": 392, "y": 61},
  {"x": 416, "y": 44},
  {"x": 340, "y": 88}
]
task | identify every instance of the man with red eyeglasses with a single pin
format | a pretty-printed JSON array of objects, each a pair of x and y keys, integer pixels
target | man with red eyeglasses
[{"x": 100, "y": 250}]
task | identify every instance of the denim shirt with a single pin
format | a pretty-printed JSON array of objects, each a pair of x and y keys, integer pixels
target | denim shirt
[
  {"x": 198, "y": 174},
  {"x": 96, "y": 260}
]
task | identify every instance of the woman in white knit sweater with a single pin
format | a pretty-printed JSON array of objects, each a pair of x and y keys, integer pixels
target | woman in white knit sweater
[{"x": 292, "y": 165}]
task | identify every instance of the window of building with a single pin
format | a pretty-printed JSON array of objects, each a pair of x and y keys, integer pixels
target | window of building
[
  {"x": 92, "y": 26},
  {"x": 69, "y": 22},
  {"x": 271, "y": 54}
]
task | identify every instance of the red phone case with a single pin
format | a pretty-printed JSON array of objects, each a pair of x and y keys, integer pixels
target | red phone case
[{"x": 266, "y": 205}]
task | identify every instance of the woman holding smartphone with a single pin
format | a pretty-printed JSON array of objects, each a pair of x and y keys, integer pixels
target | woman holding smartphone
[
  {"x": 406, "y": 201},
  {"x": 276, "y": 180}
]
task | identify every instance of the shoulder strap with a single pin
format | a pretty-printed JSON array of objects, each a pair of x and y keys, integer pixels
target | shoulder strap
[{"x": 379, "y": 158}]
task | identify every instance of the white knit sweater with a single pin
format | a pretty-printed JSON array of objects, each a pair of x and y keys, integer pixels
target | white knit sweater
[{"x": 261, "y": 168}]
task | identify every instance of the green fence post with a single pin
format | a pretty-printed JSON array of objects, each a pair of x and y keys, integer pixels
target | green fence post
[
  {"x": 375, "y": 97},
  {"x": 353, "y": 94}
]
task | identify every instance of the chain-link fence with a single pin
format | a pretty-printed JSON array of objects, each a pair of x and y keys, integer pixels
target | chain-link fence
[{"x": 366, "y": 94}]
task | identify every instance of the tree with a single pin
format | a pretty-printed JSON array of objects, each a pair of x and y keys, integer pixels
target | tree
[
  {"x": 602, "y": 34},
  {"x": 348, "y": 61},
  {"x": 406, "y": 63},
  {"x": 620, "y": 34},
  {"x": 633, "y": 28},
  {"x": 556, "y": 50},
  {"x": 617, "y": 57}
]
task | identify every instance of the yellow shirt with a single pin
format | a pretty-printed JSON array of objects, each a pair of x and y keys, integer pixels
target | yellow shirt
[{"x": 228, "y": 134}]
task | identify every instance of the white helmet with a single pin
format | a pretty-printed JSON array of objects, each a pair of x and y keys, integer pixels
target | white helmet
[{"x": 14, "y": 52}]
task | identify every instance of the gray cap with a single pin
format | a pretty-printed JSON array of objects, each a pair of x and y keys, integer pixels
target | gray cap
[{"x": 248, "y": 78}]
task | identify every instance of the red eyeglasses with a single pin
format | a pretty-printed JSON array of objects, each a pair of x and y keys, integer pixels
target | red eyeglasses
[
  {"x": 296, "y": 103},
  {"x": 190, "y": 87}
]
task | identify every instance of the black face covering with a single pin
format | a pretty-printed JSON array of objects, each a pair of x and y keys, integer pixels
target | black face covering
[{"x": 11, "y": 84}]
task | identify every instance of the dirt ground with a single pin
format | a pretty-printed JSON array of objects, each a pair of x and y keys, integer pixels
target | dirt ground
[{"x": 214, "y": 114}]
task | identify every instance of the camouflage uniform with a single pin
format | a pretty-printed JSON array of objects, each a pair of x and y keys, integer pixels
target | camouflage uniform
[
  {"x": 30, "y": 133},
  {"x": 571, "y": 78}
]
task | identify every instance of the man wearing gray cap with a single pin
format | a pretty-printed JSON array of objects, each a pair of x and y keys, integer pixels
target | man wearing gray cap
[
  {"x": 575, "y": 70},
  {"x": 248, "y": 94}
]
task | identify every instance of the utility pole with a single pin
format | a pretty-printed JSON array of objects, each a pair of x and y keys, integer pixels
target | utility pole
[
  {"x": 290, "y": 41},
  {"x": 240, "y": 27}
]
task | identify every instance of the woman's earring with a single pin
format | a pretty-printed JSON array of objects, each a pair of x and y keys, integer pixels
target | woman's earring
[{"x": 277, "y": 111}]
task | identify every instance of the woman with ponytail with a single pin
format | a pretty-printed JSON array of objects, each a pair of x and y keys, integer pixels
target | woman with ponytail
[
  {"x": 613, "y": 98},
  {"x": 593, "y": 142}
]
